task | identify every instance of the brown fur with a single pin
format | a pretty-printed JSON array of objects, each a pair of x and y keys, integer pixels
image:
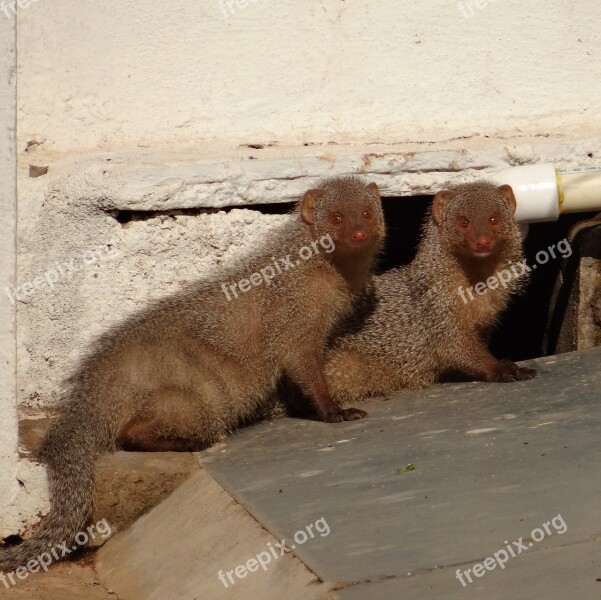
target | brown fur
[
  {"x": 193, "y": 367},
  {"x": 413, "y": 326}
]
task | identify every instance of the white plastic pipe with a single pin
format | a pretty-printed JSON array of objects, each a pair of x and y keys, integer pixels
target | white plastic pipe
[
  {"x": 579, "y": 189},
  {"x": 543, "y": 192}
]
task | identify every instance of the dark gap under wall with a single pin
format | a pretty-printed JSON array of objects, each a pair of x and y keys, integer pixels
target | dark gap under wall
[
  {"x": 522, "y": 328},
  {"x": 527, "y": 319},
  {"x": 126, "y": 216}
]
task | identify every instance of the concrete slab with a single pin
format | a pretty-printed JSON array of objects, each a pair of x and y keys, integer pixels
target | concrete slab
[
  {"x": 493, "y": 464},
  {"x": 541, "y": 575},
  {"x": 178, "y": 549}
]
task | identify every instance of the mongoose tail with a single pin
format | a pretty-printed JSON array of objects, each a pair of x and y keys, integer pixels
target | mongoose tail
[{"x": 69, "y": 452}]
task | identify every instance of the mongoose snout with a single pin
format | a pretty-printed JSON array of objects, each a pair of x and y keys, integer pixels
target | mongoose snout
[{"x": 359, "y": 235}]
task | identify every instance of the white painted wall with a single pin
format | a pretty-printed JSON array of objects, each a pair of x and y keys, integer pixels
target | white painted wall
[
  {"x": 149, "y": 105},
  {"x": 22, "y": 484},
  {"x": 100, "y": 74}
]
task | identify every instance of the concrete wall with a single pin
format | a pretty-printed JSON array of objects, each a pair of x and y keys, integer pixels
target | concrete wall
[
  {"x": 154, "y": 106},
  {"x": 22, "y": 485},
  {"x": 100, "y": 74}
]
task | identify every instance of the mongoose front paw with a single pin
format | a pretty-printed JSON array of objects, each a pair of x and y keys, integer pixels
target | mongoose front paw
[
  {"x": 344, "y": 414},
  {"x": 334, "y": 416},
  {"x": 352, "y": 414},
  {"x": 509, "y": 372},
  {"x": 524, "y": 373}
]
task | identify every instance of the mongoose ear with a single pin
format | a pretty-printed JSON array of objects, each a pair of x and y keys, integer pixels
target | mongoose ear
[
  {"x": 373, "y": 188},
  {"x": 439, "y": 199},
  {"x": 508, "y": 196},
  {"x": 308, "y": 204}
]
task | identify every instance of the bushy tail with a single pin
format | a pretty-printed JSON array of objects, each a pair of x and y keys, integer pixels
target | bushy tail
[{"x": 69, "y": 451}]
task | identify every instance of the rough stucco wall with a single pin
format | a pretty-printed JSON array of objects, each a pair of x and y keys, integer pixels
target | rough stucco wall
[
  {"x": 100, "y": 74},
  {"x": 109, "y": 272},
  {"x": 8, "y": 440},
  {"x": 22, "y": 485}
]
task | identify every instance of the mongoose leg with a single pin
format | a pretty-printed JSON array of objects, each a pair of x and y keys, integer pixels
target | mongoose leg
[
  {"x": 518, "y": 373},
  {"x": 474, "y": 359},
  {"x": 145, "y": 435},
  {"x": 310, "y": 377}
]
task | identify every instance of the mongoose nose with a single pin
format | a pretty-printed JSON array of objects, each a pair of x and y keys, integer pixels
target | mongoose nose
[
  {"x": 359, "y": 235},
  {"x": 483, "y": 243}
]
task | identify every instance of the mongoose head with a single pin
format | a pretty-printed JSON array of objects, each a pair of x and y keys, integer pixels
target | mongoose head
[
  {"x": 476, "y": 220},
  {"x": 348, "y": 210}
]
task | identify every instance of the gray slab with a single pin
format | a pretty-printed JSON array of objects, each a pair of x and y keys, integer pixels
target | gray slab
[
  {"x": 558, "y": 574},
  {"x": 493, "y": 462}
]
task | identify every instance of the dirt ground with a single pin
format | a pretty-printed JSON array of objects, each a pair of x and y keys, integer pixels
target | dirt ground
[{"x": 65, "y": 581}]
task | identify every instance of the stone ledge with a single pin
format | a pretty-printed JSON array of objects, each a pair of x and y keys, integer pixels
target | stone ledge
[{"x": 218, "y": 176}]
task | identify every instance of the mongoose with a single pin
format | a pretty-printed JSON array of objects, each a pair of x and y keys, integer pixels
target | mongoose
[
  {"x": 194, "y": 366},
  {"x": 432, "y": 317}
]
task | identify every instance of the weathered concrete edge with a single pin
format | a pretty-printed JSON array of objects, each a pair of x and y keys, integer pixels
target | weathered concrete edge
[{"x": 220, "y": 176}]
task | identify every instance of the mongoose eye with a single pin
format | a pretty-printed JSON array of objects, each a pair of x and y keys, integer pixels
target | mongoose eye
[
  {"x": 464, "y": 222},
  {"x": 337, "y": 219},
  {"x": 367, "y": 214},
  {"x": 494, "y": 220}
]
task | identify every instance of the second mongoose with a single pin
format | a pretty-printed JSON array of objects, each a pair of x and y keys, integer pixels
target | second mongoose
[
  {"x": 433, "y": 316},
  {"x": 194, "y": 366}
]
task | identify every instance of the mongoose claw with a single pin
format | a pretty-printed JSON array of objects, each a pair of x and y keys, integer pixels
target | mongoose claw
[
  {"x": 332, "y": 417},
  {"x": 511, "y": 372},
  {"x": 344, "y": 414},
  {"x": 524, "y": 373},
  {"x": 352, "y": 414}
]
